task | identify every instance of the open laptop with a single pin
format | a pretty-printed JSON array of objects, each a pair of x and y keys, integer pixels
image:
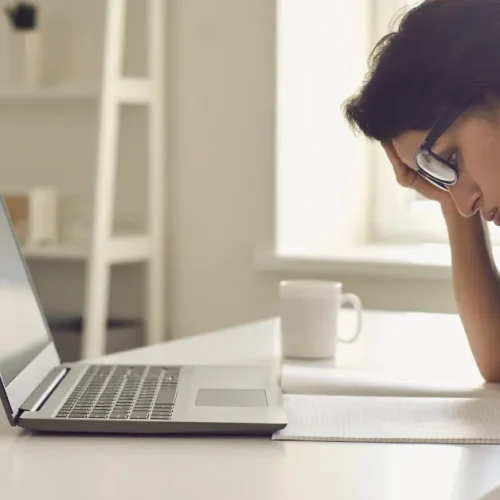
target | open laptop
[{"x": 41, "y": 394}]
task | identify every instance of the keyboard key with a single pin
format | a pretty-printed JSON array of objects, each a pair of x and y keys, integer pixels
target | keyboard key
[
  {"x": 160, "y": 417},
  {"x": 166, "y": 396},
  {"x": 162, "y": 412},
  {"x": 138, "y": 369},
  {"x": 163, "y": 407},
  {"x": 139, "y": 415}
]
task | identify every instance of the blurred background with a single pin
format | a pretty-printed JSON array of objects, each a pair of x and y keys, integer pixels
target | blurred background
[{"x": 261, "y": 178}]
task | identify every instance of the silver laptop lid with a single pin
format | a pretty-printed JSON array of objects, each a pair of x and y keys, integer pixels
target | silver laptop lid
[{"x": 27, "y": 352}]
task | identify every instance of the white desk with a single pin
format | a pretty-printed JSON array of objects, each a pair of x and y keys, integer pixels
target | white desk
[{"x": 134, "y": 468}]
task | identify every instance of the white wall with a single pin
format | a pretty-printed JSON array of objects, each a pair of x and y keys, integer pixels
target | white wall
[
  {"x": 222, "y": 186},
  {"x": 221, "y": 151}
]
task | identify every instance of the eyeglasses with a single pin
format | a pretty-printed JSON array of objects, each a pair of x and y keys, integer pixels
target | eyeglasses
[{"x": 438, "y": 171}]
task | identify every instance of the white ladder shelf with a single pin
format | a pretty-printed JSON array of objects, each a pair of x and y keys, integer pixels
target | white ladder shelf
[{"x": 106, "y": 249}]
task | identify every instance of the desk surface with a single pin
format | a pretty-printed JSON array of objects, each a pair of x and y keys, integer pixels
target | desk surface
[{"x": 131, "y": 468}]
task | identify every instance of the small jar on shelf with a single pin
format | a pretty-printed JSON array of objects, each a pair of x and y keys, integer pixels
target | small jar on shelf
[{"x": 24, "y": 45}]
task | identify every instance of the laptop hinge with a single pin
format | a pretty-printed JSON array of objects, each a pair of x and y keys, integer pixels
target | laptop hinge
[{"x": 36, "y": 399}]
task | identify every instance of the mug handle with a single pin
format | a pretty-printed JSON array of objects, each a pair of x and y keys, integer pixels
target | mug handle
[{"x": 355, "y": 301}]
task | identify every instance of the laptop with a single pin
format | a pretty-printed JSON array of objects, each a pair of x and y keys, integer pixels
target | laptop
[{"x": 40, "y": 393}]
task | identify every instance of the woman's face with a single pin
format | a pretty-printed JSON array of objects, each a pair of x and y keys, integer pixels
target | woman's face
[{"x": 475, "y": 139}]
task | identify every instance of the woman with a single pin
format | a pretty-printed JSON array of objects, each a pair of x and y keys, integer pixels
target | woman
[{"x": 432, "y": 98}]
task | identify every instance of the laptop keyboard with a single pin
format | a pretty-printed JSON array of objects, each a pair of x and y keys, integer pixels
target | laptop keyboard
[{"x": 124, "y": 392}]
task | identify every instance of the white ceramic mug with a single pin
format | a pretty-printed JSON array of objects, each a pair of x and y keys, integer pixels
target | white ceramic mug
[{"x": 309, "y": 313}]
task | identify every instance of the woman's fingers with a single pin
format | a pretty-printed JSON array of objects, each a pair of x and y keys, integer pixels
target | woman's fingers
[
  {"x": 404, "y": 174},
  {"x": 409, "y": 178}
]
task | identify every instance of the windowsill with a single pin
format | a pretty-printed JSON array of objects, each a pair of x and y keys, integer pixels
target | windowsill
[{"x": 403, "y": 261}]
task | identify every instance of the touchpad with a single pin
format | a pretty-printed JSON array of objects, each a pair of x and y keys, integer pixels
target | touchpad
[{"x": 231, "y": 397}]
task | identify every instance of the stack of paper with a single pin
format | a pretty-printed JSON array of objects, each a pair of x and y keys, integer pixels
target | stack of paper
[
  {"x": 391, "y": 419},
  {"x": 310, "y": 379}
]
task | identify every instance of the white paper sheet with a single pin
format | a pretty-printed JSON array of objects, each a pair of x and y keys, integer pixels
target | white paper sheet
[
  {"x": 390, "y": 419},
  {"x": 310, "y": 379}
]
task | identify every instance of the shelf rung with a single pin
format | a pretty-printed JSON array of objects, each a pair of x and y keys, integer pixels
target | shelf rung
[
  {"x": 134, "y": 91},
  {"x": 56, "y": 252},
  {"x": 50, "y": 93},
  {"x": 121, "y": 250},
  {"x": 128, "y": 249}
]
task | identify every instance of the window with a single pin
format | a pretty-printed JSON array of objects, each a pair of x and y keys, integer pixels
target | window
[{"x": 322, "y": 186}]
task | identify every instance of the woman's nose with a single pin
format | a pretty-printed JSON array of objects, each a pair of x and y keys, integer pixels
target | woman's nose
[{"x": 466, "y": 200}]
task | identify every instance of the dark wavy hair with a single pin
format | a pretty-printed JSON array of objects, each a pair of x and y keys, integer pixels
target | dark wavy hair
[{"x": 443, "y": 53}]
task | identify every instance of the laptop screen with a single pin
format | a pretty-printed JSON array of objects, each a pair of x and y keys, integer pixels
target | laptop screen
[{"x": 23, "y": 331}]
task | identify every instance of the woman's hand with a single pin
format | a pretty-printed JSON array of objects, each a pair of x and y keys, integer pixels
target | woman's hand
[{"x": 409, "y": 178}]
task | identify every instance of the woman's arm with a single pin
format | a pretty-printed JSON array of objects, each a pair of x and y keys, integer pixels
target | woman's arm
[
  {"x": 476, "y": 286},
  {"x": 476, "y": 283}
]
